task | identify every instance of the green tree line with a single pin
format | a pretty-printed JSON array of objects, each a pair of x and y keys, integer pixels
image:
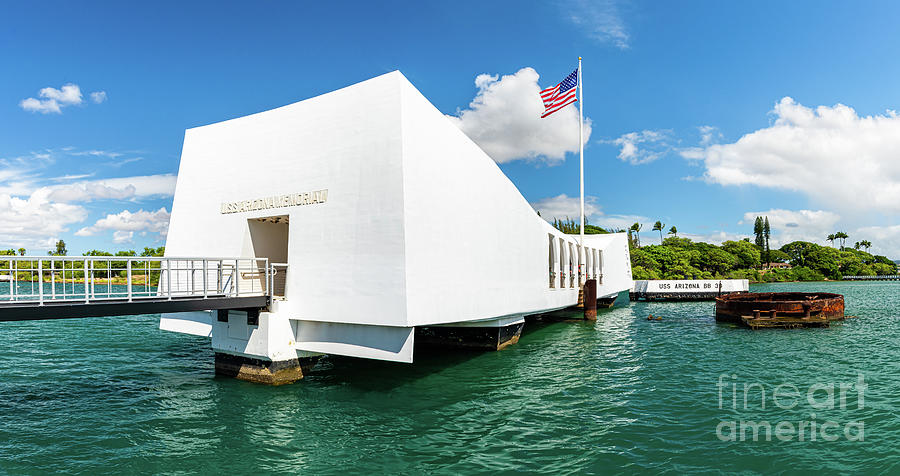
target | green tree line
[
  {"x": 573, "y": 227},
  {"x": 74, "y": 269},
  {"x": 681, "y": 258}
]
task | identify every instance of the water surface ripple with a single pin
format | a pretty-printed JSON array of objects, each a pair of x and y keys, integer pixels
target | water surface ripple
[{"x": 622, "y": 395}]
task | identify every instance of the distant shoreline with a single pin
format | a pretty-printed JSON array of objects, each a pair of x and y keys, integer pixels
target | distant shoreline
[{"x": 135, "y": 280}]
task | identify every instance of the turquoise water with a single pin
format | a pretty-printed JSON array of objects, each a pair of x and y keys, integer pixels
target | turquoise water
[{"x": 621, "y": 395}]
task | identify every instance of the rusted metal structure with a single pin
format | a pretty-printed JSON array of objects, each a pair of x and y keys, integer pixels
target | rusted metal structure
[
  {"x": 589, "y": 299},
  {"x": 780, "y": 310}
]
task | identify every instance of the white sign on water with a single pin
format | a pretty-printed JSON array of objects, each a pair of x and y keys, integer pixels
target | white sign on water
[{"x": 663, "y": 286}]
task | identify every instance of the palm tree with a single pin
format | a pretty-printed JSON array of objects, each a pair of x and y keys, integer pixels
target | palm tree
[
  {"x": 865, "y": 244},
  {"x": 831, "y": 238},
  {"x": 636, "y": 228},
  {"x": 673, "y": 231},
  {"x": 857, "y": 245},
  {"x": 659, "y": 226},
  {"x": 841, "y": 236}
]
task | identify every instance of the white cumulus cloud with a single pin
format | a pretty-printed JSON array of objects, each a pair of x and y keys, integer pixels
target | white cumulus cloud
[
  {"x": 122, "y": 188},
  {"x": 38, "y": 206},
  {"x": 128, "y": 222},
  {"x": 713, "y": 237},
  {"x": 563, "y": 206},
  {"x": 709, "y": 135},
  {"x": 36, "y": 221},
  {"x": 644, "y": 146},
  {"x": 794, "y": 225},
  {"x": 505, "y": 120},
  {"x": 885, "y": 239},
  {"x": 87, "y": 191},
  {"x": 600, "y": 19},
  {"x": 98, "y": 96},
  {"x": 52, "y": 100},
  {"x": 122, "y": 237},
  {"x": 831, "y": 154},
  {"x": 621, "y": 222}
]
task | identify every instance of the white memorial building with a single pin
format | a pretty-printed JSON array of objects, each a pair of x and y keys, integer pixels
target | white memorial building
[{"x": 386, "y": 224}]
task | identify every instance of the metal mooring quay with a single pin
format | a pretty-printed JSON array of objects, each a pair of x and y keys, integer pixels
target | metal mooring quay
[{"x": 62, "y": 287}]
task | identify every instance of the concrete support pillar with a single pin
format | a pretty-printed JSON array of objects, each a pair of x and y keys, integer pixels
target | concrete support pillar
[
  {"x": 590, "y": 299},
  {"x": 258, "y": 347},
  {"x": 263, "y": 370}
]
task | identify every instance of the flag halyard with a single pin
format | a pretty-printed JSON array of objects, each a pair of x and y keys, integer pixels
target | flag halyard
[{"x": 561, "y": 95}]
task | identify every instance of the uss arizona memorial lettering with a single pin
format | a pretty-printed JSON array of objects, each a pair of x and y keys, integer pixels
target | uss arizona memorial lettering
[
  {"x": 277, "y": 201},
  {"x": 689, "y": 285}
]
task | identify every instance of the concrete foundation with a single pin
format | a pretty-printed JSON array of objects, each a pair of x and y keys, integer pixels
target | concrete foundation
[
  {"x": 263, "y": 371},
  {"x": 473, "y": 338}
]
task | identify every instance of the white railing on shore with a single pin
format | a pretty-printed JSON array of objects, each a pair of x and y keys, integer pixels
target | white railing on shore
[
  {"x": 42, "y": 279},
  {"x": 872, "y": 277}
]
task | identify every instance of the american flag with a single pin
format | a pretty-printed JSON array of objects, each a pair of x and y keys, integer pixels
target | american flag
[{"x": 561, "y": 95}]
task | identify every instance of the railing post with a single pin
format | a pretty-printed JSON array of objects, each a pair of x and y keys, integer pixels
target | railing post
[
  {"x": 169, "y": 278},
  {"x": 40, "y": 282},
  {"x": 86, "y": 298},
  {"x": 205, "y": 279},
  {"x": 128, "y": 278},
  {"x": 268, "y": 284},
  {"x": 237, "y": 278}
]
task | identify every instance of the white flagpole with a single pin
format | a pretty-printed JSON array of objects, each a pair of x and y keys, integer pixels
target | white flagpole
[{"x": 581, "y": 161}]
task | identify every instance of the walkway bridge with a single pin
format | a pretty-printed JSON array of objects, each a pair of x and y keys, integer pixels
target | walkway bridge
[
  {"x": 62, "y": 287},
  {"x": 884, "y": 277}
]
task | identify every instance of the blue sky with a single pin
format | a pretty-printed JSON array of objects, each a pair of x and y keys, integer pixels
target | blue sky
[{"x": 686, "y": 100}]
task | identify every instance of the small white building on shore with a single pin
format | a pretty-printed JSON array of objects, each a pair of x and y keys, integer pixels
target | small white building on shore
[{"x": 388, "y": 219}]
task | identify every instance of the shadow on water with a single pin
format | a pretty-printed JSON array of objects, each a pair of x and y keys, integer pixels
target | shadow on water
[
  {"x": 536, "y": 322},
  {"x": 379, "y": 375},
  {"x": 376, "y": 375}
]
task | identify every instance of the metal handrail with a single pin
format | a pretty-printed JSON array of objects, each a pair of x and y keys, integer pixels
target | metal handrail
[
  {"x": 275, "y": 272},
  {"x": 42, "y": 279}
]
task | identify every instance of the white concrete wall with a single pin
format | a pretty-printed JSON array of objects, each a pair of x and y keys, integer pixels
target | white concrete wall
[
  {"x": 346, "y": 255},
  {"x": 616, "y": 262},
  {"x": 475, "y": 248}
]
